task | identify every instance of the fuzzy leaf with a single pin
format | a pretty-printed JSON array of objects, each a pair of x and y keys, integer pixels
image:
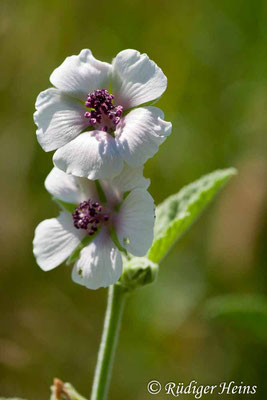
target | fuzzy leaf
[{"x": 179, "y": 211}]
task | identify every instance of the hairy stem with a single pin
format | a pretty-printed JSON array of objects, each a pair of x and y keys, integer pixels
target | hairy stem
[{"x": 112, "y": 323}]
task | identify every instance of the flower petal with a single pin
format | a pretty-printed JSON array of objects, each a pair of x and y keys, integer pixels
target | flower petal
[
  {"x": 59, "y": 119},
  {"x": 54, "y": 240},
  {"x": 92, "y": 154},
  {"x": 140, "y": 133},
  {"x": 80, "y": 74},
  {"x": 136, "y": 79},
  {"x": 69, "y": 188},
  {"x": 135, "y": 222},
  {"x": 100, "y": 263},
  {"x": 130, "y": 178}
]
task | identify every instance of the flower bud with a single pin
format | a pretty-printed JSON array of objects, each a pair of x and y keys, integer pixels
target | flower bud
[{"x": 137, "y": 272}]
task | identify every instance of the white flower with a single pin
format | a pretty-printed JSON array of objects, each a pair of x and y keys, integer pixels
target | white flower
[
  {"x": 89, "y": 126},
  {"x": 107, "y": 211}
]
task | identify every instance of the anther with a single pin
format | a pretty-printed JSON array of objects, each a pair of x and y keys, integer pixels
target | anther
[
  {"x": 101, "y": 104},
  {"x": 88, "y": 215}
]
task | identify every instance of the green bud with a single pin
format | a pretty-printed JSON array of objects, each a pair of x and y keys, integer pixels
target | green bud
[{"x": 137, "y": 272}]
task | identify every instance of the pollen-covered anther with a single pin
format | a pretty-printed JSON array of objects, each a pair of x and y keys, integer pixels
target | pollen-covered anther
[
  {"x": 88, "y": 215},
  {"x": 103, "y": 114}
]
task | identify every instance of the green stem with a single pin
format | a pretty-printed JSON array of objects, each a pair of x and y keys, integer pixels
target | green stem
[{"x": 116, "y": 301}]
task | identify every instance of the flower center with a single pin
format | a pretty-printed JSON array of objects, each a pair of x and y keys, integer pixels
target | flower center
[
  {"x": 103, "y": 114},
  {"x": 88, "y": 215}
]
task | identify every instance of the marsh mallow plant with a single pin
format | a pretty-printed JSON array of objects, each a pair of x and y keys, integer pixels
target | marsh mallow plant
[{"x": 100, "y": 120}]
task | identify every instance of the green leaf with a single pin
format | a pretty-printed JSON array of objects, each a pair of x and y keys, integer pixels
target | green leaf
[
  {"x": 10, "y": 398},
  {"x": 179, "y": 211},
  {"x": 245, "y": 312}
]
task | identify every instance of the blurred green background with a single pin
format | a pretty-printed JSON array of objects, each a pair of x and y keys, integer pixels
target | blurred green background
[{"x": 214, "y": 54}]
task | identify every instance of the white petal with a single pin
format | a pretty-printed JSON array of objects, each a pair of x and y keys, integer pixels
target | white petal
[
  {"x": 54, "y": 240},
  {"x": 100, "y": 263},
  {"x": 135, "y": 221},
  {"x": 69, "y": 188},
  {"x": 140, "y": 133},
  {"x": 59, "y": 119},
  {"x": 92, "y": 154},
  {"x": 80, "y": 74},
  {"x": 130, "y": 178},
  {"x": 136, "y": 79}
]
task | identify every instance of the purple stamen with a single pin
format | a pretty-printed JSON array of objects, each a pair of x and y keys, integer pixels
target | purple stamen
[
  {"x": 88, "y": 215},
  {"x": 103, "y": 110}
]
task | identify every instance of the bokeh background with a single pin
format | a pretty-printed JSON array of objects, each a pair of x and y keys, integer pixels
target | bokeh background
[{"x": 205, "y": 318}]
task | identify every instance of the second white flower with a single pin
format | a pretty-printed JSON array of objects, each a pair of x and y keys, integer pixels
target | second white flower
[{"x": 105, "y": 216}]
